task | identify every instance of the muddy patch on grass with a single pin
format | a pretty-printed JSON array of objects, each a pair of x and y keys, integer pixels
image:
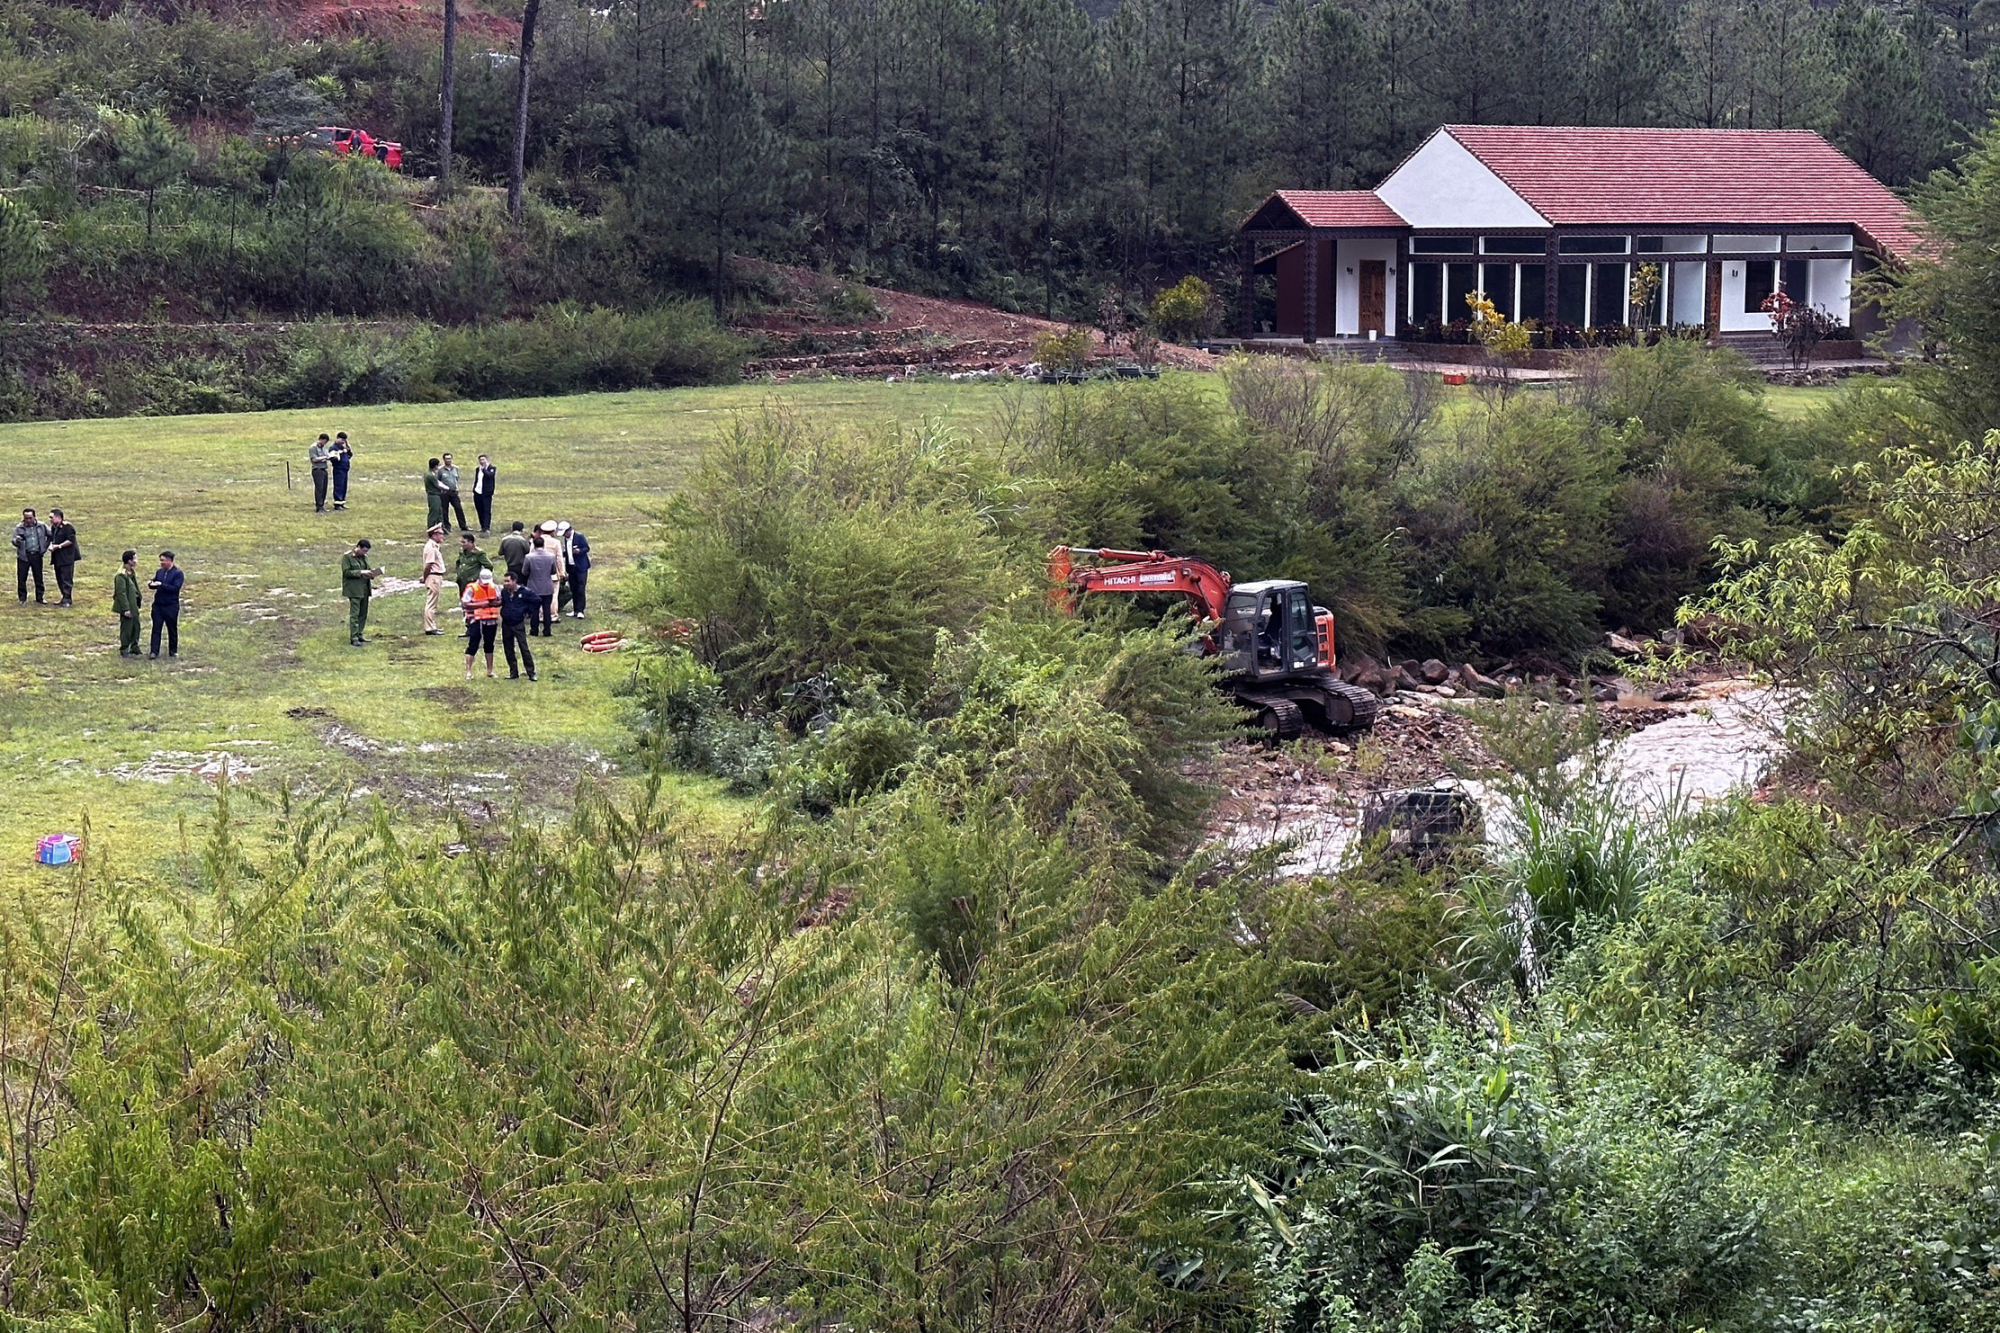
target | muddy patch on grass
[
  {"x": 167, "y": 765},
  {"x": 459, "y": 697}
]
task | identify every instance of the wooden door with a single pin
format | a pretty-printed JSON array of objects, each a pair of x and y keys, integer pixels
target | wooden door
[
  {"x": 1374, "y": 294},
  {"x": 1711, "y": 305}
]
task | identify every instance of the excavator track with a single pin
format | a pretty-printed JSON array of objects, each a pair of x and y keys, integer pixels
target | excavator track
[
  {"x": 1277, "y": 716},
  {"x": 1284, "y": 709},
  {"x": 1363, "y": 702}
]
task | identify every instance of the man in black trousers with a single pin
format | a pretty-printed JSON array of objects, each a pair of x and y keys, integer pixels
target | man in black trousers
[
  {"x": 166, "y": 586},
  {"x": 516, "y": 605},
  {"x": 63, "y": 554},
  {"x": 320, "y": 456},
  {"x": 484, "y": 478},
  {"x": 31, "y": 543}
]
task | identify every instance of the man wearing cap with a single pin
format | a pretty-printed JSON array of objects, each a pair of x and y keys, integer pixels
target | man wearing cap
[
  {"x": 431, "y": 575},
  {"x": 357, "y": 584}
]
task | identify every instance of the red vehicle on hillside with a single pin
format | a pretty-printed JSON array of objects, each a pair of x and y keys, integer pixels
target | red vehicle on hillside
[{"x": 344, "y": 141}]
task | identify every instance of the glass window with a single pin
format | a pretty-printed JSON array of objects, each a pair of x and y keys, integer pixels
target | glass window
[
  {"x": 1514, "y": 245},
  {"x": 1609, "y": 293},
  {"x": 1833, "y": 244},
  {"x": 1497, "y": 281},
  {"x": 1572, "y": 280},
  {"x": 1760, "y": 279},
  {"x": 1534, "y": 292},
  {"x": 1459, "y": 281},
  {"x": 1426, "y": 291},
  {"x": 1746, "y": 245},
  {"x": 1593, "y": 245},
  {"x": 1794, "y": 275},
  {"x": 1670, "y": 245},
  {"x": 1440, "y": 245}
]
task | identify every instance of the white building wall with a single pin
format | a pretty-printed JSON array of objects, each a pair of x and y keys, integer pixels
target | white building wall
[
  {"x": 1347, "y": 259},
  {"x": 1830, "y": 287},
  {"x": 1735, "y": 319},
  {"x": 1444, "y": 185}
]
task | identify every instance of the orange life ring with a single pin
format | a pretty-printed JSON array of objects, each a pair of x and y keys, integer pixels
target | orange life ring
[{"x": 603, "y": 641}]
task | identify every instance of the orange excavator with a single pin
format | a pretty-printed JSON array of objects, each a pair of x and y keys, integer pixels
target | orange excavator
[{"x": 1275, "y": 644}]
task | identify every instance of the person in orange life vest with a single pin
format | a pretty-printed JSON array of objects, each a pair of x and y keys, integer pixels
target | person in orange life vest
[{"x": 481, "y": 604}]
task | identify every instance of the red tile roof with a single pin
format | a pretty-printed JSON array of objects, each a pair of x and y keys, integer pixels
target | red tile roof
[
  {"x": 1341, "y": 208},
  {"x": 1725, "y": 178}
]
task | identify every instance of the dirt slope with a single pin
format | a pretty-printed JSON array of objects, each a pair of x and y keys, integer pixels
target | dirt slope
[
  {"x": 819, "y": 326},
  {"x": 391, "y": 18}
]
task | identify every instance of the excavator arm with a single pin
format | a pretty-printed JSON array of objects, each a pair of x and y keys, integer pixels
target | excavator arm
[{"x": 1205, "y": 586}]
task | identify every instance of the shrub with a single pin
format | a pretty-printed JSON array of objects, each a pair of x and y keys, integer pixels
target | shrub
[
  {"x": 1511, "y": 529},
  {"x": 1068, "y": 351},
  {"x": 803, "y": 555},
  {"x": 1183, "y": 311}
]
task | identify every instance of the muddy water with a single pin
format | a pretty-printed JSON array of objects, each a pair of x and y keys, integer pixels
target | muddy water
[
  {"x": 1718, "y": 746},
  {"x": 1701, "y": 756}
]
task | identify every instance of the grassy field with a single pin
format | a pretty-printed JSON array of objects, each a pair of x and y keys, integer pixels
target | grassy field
[
  {"x": 267, "y": 680},
  {"x": 267, "y": 685}
]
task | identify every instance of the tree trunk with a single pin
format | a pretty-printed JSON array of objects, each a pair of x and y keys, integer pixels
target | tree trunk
[
  {"x": 447, "y": 93},
  {"x": 518, "y": 168}
]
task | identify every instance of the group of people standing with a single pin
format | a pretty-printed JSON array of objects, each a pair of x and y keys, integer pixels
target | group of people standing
[
  {"x": 441, "y": 493},
  {"x": 543, "y": 574},
  {"x": 54, "y": 542},
  {"x": 332, "y": 457}
]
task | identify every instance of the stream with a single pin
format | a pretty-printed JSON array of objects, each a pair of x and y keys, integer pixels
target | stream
[{"x": 1720, "y": 744}]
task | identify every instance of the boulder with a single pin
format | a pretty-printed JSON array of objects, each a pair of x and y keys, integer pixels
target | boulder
[
  {"x": 1623, "y": 646},
  {"x": 1434, "y": 672},
  {"x": 1407, "y": 679},
  {"x": 1357, "y": 668},
  {"x": 1484, "y": 686}
]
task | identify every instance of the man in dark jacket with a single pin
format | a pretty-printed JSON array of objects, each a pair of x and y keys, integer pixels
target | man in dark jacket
[
  {"x": 343, "y": 459},
  {"x": 63, "y": 554},
  {"x": 127, "y": 601},
  {"x": 166, "y": 586},
  {"x": 484, "y": 478},
  {"x": 31, "y": 542},
  {"x": 357, "y": 585},
  {"x": 516, "y": 605},
  {"x": 514, "y": 551},
  {"x": 576, "y": 559}
]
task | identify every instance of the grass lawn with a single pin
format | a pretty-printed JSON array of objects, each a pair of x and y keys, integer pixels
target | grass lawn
[{"x": 267, "y": 680}]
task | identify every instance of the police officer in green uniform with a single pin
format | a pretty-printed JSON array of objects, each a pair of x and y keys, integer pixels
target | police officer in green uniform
[
  {"x": 470, "y": 561},
  {"x": 126, "y": 601},
  {"x": 433, "y": 495},
  {"x": 357, "y": 584}
]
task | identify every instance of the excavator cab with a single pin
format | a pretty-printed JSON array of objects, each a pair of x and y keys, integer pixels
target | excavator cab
[{"x": 1270, "y": 629}]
